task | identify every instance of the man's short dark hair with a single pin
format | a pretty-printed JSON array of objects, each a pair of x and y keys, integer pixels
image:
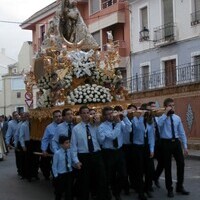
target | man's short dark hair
[
  {"x": 82, "y": 108},
  {"x": 62, "y": 139},
  {"x": 118, "y": 108},
  {"x": 105, "y": 109},
  {"x": 132, "y": 106},
  {"x": 65, "y": 110},
  {"x": 167, "y": 101},
  {"x": 56, "y": 111},
  {"x": 143, "y": 106},
  {"x": 150, "y": 103}
]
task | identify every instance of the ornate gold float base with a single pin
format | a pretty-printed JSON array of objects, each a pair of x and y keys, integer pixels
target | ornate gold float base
[{"x": 40, "y": 118}]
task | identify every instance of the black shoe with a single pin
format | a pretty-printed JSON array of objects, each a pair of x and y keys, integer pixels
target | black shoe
[
  {"x": 170, "y": 194},
  {"x": 157, "y": 184},
  {"x": 182, "y": 191},
  {"x": 29, "y": 180},
  {"x": 37, "y": 178},
  {"x": 142, "y": 197},
  {"x": 149, "y": 194},
  {"x": 127, "y": 192},
  {"x": 117, "y": 197}
]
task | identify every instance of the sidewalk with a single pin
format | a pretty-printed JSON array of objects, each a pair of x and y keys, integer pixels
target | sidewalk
[{"x": 193, "y": 154}]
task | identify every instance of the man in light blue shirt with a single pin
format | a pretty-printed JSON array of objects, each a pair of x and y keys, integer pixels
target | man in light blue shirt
[
  {"x": 64, "y": 128},
  {"x": 45, "y": 161},
  {"x": 143, "y": 152},
  {"x": 17, "y": 145},
  {"x": 127, "y": 148},
  {"x": 12, "y": 126},
  {"x": 172, "y": 134},
  {"x": 87, "y": 157},
  {"x": 111, "y": 137},
  {"x": 24, "y": 141}
]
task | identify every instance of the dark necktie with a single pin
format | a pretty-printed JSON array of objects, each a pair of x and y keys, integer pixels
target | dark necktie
[
  {"x": 69, "y": 131},
  {"x": 145, "y": 133},
  {"x": 172, "y": 127},
  {"x": 115, "y": 141},
  {"x": 66, "y": 161},
  {"x": 89, "y": 140},
  {"x": 157, "y": 134},
  {"x": 131, "y": 135}
]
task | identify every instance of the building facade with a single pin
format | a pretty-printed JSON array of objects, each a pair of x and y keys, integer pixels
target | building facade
[
  {"x": 165, "y": 36},
  {"x": 100, "y": 16},
  {"x": 12, "y": 87}
]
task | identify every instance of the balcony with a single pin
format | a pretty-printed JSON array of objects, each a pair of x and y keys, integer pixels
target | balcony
[
  {"x": 195, "y": 18},
  {"x": 184, "y": 74},
  {"x": 108, "y": 3},
  {"x": 165, "y": 34}
]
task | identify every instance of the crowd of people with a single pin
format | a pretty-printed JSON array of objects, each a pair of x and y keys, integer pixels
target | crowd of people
[{"x": 102, "y": 157}]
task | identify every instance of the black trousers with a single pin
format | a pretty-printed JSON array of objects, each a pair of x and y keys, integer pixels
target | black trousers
[
  {"x": 115, "y": 169},
  {"x": 45, "y": 164},
  {"x": 158, "y": 155},
  {"x": 63, "y": 186},
  {"x": 92, "y": 166},
  {"x": 173, "y": 148},
  {"x": 18, "y": 161},
  {"x": 26, "y": 161},
  {"x": 130, "y": 180},
  {"x": 143, "y": 167}
]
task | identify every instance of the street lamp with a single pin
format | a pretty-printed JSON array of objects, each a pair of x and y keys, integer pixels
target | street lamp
[{"x": 144, "y": 34}]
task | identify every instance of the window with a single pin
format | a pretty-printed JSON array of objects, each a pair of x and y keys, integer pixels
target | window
[
  {"x": 1, "y": 85},
  {"x": 195, "y": 17},
  {"x": 197, "y": 67},
  {"x": 18, "y": 94},
  {"x": 20, "y": 109},
  {"x": 17, "y": 84},
  {"x": 144, "y": 18},
  {"x": 145, "y": 77},
  {"x": 170, "y": 72},
  {"x": 97, "y": 37},
  {"x": 196, "y": 5},
  {"x": 168, "y": 11},
  {"x": 42, "y": 33},
  {"x": 94, "y": 6}
]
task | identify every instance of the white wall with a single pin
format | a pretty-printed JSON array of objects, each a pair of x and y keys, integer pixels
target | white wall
[
  {"x": 182, "y": 17},
  {"x": 25, "y": 57}
]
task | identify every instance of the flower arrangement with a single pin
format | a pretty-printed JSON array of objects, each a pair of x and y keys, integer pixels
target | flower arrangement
[
  {"x": 47, "y": 101},
  {"x": 89, "y": 94},
  {"x": 44, "y": 82},
  {"x": 82, "y": 63},
  {"x": 101, "y": 77},
  {"x": 67, "y": 80}
]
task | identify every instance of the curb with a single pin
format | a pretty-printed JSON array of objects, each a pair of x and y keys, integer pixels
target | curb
[{"x": 193, "y": 157}]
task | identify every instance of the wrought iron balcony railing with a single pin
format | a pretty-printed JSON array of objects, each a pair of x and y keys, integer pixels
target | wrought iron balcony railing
[
  {"x": 165, "y": 33},
  {"x": 195, "y": 18},
  {"x": 184, "y": 74},
  {"x": 108, "y": 3}
]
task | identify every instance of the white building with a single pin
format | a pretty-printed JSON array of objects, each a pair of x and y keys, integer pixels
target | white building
[
  {"x": 25, "y": 57},
  {"x": 12, "y": 87},
  {"x": 165, "y": 41}
]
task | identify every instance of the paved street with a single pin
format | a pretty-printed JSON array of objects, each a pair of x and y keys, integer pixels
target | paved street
[{"x": 12, "y": 188}]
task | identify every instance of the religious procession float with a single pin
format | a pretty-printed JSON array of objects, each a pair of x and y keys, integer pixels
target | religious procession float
[{"x": 69, "y": 70}]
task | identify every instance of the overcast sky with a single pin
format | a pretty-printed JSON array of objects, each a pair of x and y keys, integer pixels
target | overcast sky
[{"x": 11, "y": 35}]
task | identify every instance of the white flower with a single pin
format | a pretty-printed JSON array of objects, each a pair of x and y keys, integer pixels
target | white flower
[
  {"x": 79, "y": 101},
  {"x": 93, "y": 93}
]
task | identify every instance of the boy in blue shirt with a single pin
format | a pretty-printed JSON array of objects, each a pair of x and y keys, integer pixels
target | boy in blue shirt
[{"x": 62, "y": 170}]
